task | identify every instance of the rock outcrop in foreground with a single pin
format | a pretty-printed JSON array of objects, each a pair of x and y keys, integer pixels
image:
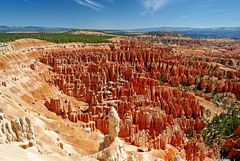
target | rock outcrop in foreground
[
  {"x": 111, "y": 149},
  {"x": 18, "y": 130}
]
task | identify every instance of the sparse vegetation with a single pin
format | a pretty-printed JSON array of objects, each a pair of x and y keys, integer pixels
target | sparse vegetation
[
  {"x": 186, "y": 88},
  {"x": 224, "y": 125},
  {"x": 55, "y": 37},
  {"x": 223, "y": 101},
  {"x": 238, "y": 68},
  {"x": 161, "y": 80},
  {"x": 190, "y": 133}
]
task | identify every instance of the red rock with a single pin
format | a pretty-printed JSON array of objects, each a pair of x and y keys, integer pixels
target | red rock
[
  {"x": 234, "y": 154},
  {"x": 237, "y": 132},
  {"x": 211, "y": 87},
  {"x": 126, "y": 77},
  {"x": 203, "y": 84}
]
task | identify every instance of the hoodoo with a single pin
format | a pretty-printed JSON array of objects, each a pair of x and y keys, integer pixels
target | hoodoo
[{"x": 128, "y": 100}]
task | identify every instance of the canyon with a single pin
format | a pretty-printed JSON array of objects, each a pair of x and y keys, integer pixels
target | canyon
[{"x": 128, "y": 100}]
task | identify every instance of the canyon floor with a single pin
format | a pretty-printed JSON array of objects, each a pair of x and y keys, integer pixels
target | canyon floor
[{"x": 176, "y": 98}]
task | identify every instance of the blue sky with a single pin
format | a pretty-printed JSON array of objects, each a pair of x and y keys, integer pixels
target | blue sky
[{"x": 120, "y": 14}]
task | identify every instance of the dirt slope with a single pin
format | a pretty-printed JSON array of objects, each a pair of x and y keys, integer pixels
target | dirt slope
[{"x": 23, "y": 92}]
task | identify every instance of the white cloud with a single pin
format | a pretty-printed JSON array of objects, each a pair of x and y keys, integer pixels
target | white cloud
[
  {"x": 216, "y": 11},
  {"x": 33, "y": 2},
  {"x": 91, "y": 4},
  {"x": 154, "y": 5},
  {"x": 184, "y": 16}
]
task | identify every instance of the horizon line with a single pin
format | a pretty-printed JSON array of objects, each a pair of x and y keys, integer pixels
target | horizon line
[{"x": 90, "y": 28}]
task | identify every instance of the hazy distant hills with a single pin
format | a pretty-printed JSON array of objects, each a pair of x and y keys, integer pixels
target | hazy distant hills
[
  {"x": 184, "y": 29},
  {"x": 233, "y": 34},
  {"x": 33, "y": 29},
  {"x": 220, "y": 32}
]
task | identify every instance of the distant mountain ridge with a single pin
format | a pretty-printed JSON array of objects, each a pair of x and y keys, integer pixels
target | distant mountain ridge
[
  {"x": 154, "y": 29},
  {"x": 32, "y": 29},
  {"x": 217, "y": 32}
]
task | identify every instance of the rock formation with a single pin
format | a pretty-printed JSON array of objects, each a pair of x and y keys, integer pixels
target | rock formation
[
  {"x": 137, "y": 80},
  {"x": 18, "y": 130},
  {"x": 114, "y": 123},
  {"x": 111, "y": 149},
  {"x": 113, "y": 128},
  {"x": 231, "y": 148}
]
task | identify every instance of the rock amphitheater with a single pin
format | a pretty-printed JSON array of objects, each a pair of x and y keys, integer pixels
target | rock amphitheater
[{"x": 115, "y": 102}]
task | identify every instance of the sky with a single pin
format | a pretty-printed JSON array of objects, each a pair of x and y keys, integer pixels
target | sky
[{"x": 120, "y": 14}]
